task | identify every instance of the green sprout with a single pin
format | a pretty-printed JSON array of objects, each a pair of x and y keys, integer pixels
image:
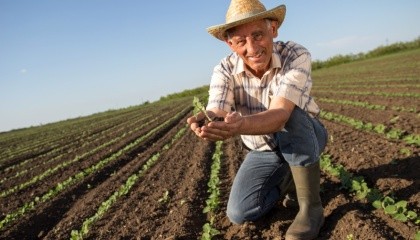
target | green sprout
[{"x": 199, "y": 107}]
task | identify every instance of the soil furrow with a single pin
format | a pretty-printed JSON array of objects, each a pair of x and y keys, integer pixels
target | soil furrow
[
  {"x": 52, "y": 211},
  {"x": 183, "y": 172},
  {"x": 87, "y": 204}
]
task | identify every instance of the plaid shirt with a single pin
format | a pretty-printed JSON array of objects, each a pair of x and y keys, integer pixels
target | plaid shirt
[{"x": 233, "y": 88}]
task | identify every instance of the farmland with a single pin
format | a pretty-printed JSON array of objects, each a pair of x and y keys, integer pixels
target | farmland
[{"x": 139, "y": 173}]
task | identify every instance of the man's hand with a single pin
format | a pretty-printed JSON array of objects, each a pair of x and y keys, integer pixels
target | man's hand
[
  {"x": 215, "y": 130},
  {"x": 195, "y": 123},
  {"x": 266, "y": 122}
]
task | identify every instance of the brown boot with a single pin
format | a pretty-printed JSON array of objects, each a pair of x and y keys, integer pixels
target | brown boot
[{"x": 310, "y": 217}]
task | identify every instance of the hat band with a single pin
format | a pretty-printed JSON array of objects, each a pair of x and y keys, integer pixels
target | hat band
[{"x": 243, "y": 16}]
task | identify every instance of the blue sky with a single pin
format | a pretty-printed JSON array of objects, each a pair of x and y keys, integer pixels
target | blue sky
[{"x": 69, "y": 58}]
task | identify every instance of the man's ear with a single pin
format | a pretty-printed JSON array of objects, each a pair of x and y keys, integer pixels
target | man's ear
[
  {"x": 275, "y": 27},
  {"x": 229, "y": 43}
]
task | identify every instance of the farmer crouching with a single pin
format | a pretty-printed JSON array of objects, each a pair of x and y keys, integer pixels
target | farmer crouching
[{"x": 267, "y": 84}]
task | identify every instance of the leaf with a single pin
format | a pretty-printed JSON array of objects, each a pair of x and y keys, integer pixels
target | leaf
[
  {"x": 411, "y": 215},
  {"x": 206, "y": 209},
  {"x": 214, "y": 231},
  {"x": 400, "y": 217},
  {"x": 200, "y": 107},
  {"x": 377, "y": 204},
  {"x": 401, "y": 204},
  {"x": 391, "y": 209},
  {"x": 387, "y": 201},
  {"x": 75, "y": 235}
]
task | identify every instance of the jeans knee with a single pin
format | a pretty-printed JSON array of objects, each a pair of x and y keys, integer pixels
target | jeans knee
[
  {"x": 238, "y": 214},
  {"x": 235, "y": 216}
]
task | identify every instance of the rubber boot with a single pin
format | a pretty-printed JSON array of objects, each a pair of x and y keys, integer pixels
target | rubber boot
[{"x": 310, "y": 217}]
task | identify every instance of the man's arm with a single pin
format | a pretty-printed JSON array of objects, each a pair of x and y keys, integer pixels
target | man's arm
[{"x": 270, "y": 121}]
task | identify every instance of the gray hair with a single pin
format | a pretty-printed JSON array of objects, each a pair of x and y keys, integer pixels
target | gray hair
[{"x": 227, "y": 32}]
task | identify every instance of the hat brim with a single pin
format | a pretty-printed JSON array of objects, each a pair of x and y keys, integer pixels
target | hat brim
[{"x": 277, "y": 13}]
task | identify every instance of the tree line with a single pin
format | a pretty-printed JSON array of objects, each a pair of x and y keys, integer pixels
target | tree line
[{"x": 379, "y": 51}]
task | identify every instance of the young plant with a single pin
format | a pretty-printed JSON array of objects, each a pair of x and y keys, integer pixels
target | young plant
[
  {"x": 212, "y": 203},
  {"x": 209, "y": 232},
  {"x": 356, "y": 184},
  {"x": 199, "y": 107},
  {"x": 165, "y": 198},
  {"x": 398, "y": 210}
]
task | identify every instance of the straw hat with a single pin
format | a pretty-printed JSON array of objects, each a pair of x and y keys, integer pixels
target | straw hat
[{"x": 244, "y": 11}]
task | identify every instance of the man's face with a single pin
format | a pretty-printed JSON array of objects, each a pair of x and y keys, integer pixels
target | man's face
[{"x": 253, "y": 42}]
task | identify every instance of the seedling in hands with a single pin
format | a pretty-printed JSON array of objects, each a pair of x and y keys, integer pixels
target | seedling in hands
[{"x": 199, "y": 107}]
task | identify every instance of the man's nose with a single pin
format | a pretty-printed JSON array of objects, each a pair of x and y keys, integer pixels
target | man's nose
[{"x": 251, "y": 45}]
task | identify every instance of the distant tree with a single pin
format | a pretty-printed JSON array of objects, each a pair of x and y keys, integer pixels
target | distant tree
[
  {"x": 186, "y": 93},
  {"x": 379, "y": 51}
]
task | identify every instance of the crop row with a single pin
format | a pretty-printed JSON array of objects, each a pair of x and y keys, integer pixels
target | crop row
[
  {"x": 77, "y": 158},
  {"x": 49, "y": 144},
  {"x": 402, "y": 66},
  {"x": 90, "y": 142},
  {"x": 50, "y": 139},
  {"x": 390, "y": 133},
  {"x": 379, "y": 82},
  {"x": 398, "y": 210},
  {"x": 50, "y": 136},
  {"x": 97, "y": 139},
  {"x": 212, "y": 202},
  {"x": 367, "y": 105},
  {"x": 79, "y": 135},
  {"x": 370, "y": 93},
  {"x": 333, "y": 88},
  {"x": 28, "y": 206},
  {"x": 123, "y": 190},
  {"x": 71, "y": 145}
]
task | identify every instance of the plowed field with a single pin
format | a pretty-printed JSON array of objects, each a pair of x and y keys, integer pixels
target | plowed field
[{"x": 55, "y": 177}]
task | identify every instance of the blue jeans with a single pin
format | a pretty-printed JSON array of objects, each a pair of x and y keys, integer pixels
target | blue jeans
[{"x": 255, "y": 187}]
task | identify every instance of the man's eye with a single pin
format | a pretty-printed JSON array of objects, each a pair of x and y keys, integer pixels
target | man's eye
[
  {"x": 258, "y": 36},
  {"x": 240, "y": 43}
]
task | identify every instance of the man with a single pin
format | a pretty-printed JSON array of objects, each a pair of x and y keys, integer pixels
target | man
[{"x": 262, "y": 91}]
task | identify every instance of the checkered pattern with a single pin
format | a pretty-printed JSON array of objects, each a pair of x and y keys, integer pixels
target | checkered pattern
[{"x": 233, "y": 88}]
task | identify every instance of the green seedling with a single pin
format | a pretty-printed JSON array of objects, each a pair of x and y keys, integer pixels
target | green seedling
[
  {"x": 356, "y": 184},
  {"x": 398, "y": 210},
  {"x": 165, "y": 198},
  {"x": 405, "y": 151},
  {"x": 209, "y": 232},
  {"x": 412, "y": 139},
  {"x": 380, "y": 128},
  {"x": 199, "y": 107}
]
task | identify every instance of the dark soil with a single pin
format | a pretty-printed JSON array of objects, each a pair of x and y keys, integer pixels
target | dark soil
[{"x": 183, "y": 171}]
